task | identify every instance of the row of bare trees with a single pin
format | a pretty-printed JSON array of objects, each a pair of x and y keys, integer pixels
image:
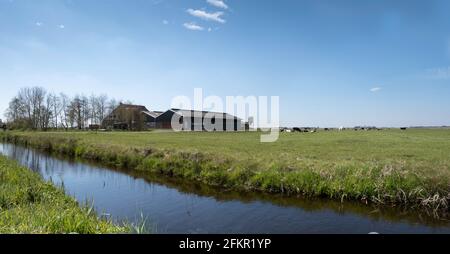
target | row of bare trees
[{"x": 35, "y": 108}]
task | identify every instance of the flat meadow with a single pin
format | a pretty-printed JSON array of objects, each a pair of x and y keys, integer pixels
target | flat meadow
[{"x": 409, "y": 167}]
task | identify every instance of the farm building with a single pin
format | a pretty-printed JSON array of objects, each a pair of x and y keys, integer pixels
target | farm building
[
  {"x": 138, "y": 118},
  {"x": 193, "y": 120},
  {"x": 150, "y": 118},
  {"x": 130, "y": 117}
]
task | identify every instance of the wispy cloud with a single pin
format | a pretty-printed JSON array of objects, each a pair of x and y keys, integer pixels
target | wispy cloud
[
  {"x": 375, "y": 89},
  {"x": 438, "y": 73},
  {"x": 39, "y": 24},
  {"x": 193, "y": 26},
  {"x": 216, "y": 16},
  {"x": 218, "y": 3},
  {"x": 165, "y": 22},
  {"x": 61, "y": 26}
]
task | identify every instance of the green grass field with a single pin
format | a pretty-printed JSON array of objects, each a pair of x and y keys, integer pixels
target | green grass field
[
  {"x": 30, "y": 205},
  {"x": 409, "y": 167}
]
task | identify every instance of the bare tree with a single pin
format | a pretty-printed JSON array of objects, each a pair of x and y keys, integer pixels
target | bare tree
[
  {"x": 31, "y": 103},
  {"x": 71, "y": 114},
  {"x": 102, "y": 107},
  {"x": 93, "y": 111},
  {"x": 55, "y": 107},
  {"x": 46, "y": 113},
  {"x": 112, "y": 104},
  {"x": 85, "y": 111},
  {"x": 36, "y": 109},
  {"x": 15, "y": 110},
  {"x": 64, "y": 103},
  {"x": 37, "y": 97},
  {"x": 76, "y": 113},
  {"x": 24, "y": 99}
]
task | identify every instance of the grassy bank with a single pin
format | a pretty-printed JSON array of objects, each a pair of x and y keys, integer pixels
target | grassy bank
[
  {"x": 393, "y": 167},
  {"x": 30, "y": 205}
]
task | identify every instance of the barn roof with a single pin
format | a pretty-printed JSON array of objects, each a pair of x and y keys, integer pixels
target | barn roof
[
  {"x": 131, "y": 106},
  {"x": 153, "y": 114},
  {"x": 217, "y": 115}
]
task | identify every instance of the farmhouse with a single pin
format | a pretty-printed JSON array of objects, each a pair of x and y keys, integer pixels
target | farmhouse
[
  {"x": 130, "y": 117},
  {"x": 138, "y": 118}
]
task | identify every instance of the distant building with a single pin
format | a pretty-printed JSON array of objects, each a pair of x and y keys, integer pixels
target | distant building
[
  {"x": 130, "y": 117},
  {"x": 193, "y": 120},
  {"x": 150, "y": 118},
  {"x": 138, "y": 118}
]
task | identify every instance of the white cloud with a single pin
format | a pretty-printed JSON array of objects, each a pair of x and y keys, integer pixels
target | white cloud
[
  {"x": 193, "y": 26},
  {"x": 209, "y": 29},
  {"x": 61, "y": 26},
  {"x": 39, "y": 24},
  {"x": 438, "y": 73},
  {"x": 218, "y": 3},
  {"x": 216, "y": 16},
  {"x": 375, "y": 89},
  {"x": 165, "y": 22}
]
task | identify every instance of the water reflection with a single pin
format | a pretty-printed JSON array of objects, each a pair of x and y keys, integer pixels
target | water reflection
[{"x": 179, "y": 206}]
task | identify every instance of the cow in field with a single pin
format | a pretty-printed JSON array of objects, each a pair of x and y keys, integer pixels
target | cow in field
[{"x": 296, "y": 129}]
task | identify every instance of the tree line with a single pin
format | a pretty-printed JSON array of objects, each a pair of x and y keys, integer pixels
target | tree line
[{"x": 35, "y": 108}]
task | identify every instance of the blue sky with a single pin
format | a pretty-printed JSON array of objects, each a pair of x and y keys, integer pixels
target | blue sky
[{"x": 333, "y": 63}]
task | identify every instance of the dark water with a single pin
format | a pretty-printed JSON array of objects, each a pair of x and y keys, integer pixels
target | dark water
[{"x": 175, "y": 206}]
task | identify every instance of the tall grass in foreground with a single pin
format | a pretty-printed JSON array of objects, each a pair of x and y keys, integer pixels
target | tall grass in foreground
[
  {"x": 410, "y": 169},
  {"x": 30, "y": 205}
]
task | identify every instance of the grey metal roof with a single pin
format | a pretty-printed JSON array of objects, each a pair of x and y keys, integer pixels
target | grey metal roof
[
  {"x": 217, "y": 115},
  {"x": 153, "y": 114}
]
